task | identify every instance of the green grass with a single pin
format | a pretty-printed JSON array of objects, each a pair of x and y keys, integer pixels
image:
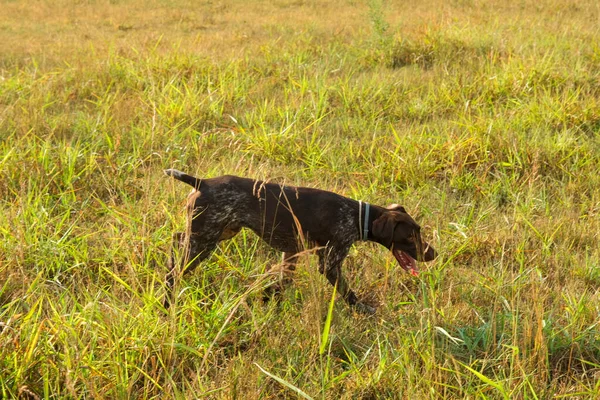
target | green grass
[{"x": 481, "y": 118}]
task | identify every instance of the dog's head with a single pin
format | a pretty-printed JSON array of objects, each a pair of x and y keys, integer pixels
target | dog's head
[{"x": 397, "y": 231}]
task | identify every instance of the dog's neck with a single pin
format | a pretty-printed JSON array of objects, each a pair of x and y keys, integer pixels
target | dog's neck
[
  {"x": 364, "y": 209},
  {"x": 366, "y": 214}
]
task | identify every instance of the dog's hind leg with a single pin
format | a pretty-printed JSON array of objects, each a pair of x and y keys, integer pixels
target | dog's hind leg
[
  {"x": 285, "y": 271},
  {"x": 193, "y": 248}
]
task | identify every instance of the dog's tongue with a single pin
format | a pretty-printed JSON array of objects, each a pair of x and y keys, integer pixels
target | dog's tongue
[{"x": 407, "y": 262}]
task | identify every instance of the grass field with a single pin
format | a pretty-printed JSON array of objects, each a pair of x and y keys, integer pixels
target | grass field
[{"x": 481, "y": 117}]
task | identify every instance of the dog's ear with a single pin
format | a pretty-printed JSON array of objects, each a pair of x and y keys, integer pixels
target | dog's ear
[
  {"x": 383, "y": 228},
  {"x": 396, "y": 207}
]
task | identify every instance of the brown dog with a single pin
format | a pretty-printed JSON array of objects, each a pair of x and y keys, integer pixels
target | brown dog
[{"x": 280, "y": 215}]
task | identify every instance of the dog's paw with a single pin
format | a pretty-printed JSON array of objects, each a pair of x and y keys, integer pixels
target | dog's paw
[
  {"x": 272, "y": 292},
  {"x": 365, "y": 308}
]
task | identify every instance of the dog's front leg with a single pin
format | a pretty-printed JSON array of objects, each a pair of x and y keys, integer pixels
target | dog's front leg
[{"x": 330, "y": 261}]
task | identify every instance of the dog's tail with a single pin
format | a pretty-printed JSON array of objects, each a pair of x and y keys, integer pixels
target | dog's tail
[{"x": 185, "y": 178}]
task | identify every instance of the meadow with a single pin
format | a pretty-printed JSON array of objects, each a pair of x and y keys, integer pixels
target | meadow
[{"x": 481, "y": 117}]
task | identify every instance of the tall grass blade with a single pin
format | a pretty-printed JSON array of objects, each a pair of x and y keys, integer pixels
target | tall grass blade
[
  {"x": 284, "y": 383},
  {"x": 327, "y": 327},
  {"x": 487, "y": 380}
]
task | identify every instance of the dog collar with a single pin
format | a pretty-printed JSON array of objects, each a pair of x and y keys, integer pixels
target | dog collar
[{"x": 365, "y": 226}]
